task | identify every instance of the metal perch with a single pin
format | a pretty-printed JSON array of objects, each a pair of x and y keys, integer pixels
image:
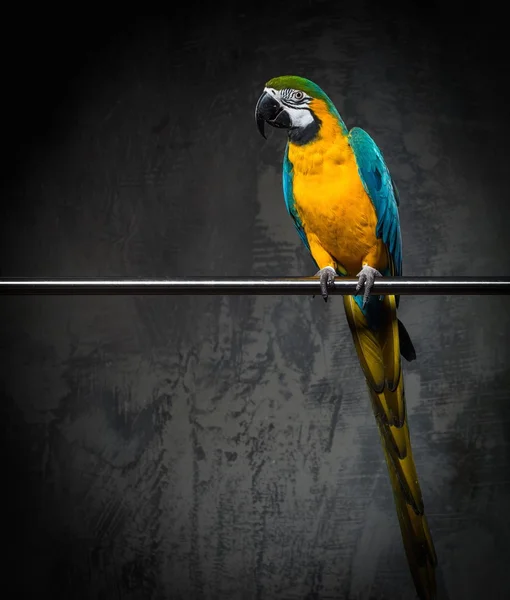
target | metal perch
[{"x": 255, "y": 286}]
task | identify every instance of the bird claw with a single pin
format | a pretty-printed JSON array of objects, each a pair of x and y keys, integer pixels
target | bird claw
[
  {"x": 327, "y": 280},
  {"x": 366, "y": 277}
]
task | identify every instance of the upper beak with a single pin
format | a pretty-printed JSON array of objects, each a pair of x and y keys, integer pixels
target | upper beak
[{"x": 269, "y": 110}]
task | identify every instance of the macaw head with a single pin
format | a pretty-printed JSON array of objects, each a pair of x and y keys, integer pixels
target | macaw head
[{"x": 295, "y": 104}]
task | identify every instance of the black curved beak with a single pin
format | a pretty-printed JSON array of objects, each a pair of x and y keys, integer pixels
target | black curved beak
[{"x": 269, "y": 110}]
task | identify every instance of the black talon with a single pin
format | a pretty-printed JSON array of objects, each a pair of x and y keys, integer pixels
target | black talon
[
  {"x": 327, "y": 280},
  {"x": 324, "y": 285},
  {"x": 366, "y": 277}
]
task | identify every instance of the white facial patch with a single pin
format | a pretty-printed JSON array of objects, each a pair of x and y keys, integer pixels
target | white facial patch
[{"x": 300, "y": 117}]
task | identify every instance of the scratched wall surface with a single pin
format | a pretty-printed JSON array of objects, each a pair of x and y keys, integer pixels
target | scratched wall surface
[{"x": 224, "y": 448}]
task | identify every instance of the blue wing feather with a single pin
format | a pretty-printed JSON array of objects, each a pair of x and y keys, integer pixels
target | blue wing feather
[
  {"x": 382, "y": 191},
  {"x": 289, "y": 197}
]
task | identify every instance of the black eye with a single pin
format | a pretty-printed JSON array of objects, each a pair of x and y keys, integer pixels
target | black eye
[{"x": 298, "y": 95}]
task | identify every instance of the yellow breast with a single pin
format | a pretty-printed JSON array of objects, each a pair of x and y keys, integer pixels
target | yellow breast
[{"x": 329, "y": 195}]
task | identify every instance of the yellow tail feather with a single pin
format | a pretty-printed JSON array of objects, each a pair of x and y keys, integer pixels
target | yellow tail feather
[{"x": 379, "y": 356}]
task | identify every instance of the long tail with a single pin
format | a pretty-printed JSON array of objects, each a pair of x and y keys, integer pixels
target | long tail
[{"x": 379, "y": 355}]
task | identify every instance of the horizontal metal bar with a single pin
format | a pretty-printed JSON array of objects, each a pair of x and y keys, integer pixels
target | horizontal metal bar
[{"x": 288, "y": 286}]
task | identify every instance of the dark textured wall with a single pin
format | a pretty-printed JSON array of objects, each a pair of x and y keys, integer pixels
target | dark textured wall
[{"x": 224, "y": 448}]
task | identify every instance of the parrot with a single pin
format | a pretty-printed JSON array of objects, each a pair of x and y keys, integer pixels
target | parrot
[{"x": 345, "y": 206}]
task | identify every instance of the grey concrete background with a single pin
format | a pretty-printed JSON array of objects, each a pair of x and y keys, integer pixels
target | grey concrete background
[{"x": 224, "y": 448}]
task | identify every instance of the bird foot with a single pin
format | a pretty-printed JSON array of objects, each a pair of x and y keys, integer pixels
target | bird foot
[
  {"x": 327, "y": 279},
  {"x": 366, "y": 277}
]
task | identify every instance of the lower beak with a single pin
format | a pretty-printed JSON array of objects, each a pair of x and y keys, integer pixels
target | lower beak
[{"x": 269, "y": 110}]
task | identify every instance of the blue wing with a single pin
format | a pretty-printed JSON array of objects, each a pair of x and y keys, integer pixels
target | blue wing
[
  {"x": 289, "y": 197},
  {"x": 382, "y": 191}
]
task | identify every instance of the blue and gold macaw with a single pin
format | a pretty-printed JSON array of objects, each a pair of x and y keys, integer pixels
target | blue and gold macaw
[{"x": 344, "y": 204}]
